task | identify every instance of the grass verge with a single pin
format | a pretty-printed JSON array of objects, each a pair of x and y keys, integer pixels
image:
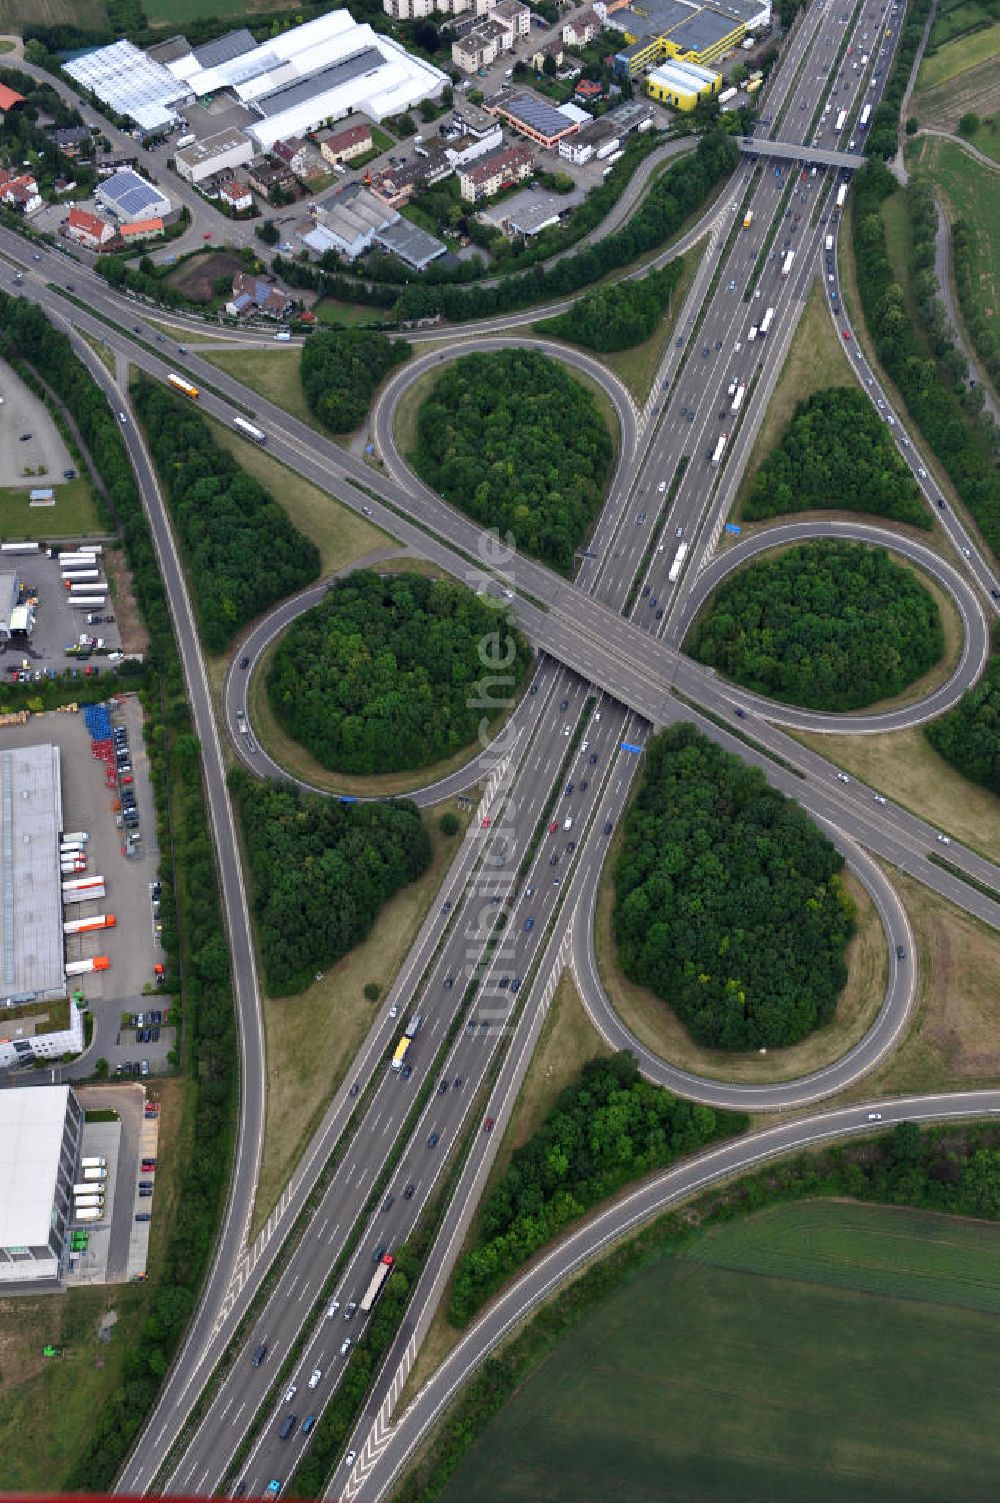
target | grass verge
[
  {"x": 905, "y": 767},
  {"x": 952, "y": 1042},
  {"x": 274, "y": 373},
  {"x": 815, "y": 361},
  {"x": 74, "y": 511},
  {"x": 312, "y": 1038},
  {"x": 971, "y": 192}
]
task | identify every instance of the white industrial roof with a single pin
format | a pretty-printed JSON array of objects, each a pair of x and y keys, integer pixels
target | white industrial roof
[
  {"x": 669, "y": 76},
  {"x": 31, "y": 932},
  {"x": 31, "y": 1135},
  {"x": 131, "y": 83}
]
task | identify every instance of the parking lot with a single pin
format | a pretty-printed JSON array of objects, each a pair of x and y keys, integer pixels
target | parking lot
[
  {"x": 29, "y": 440},
  {"x": 132, "y": 945},
  {"x": 59, "y": 625},
  {"x": 116, "y": 1247}
]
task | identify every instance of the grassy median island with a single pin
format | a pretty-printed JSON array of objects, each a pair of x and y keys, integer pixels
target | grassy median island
[
  {"x": 388, "y": 672},
  {"x": 517, "y": 443},
  {"x": 826, "y": 625},
  {"x": 820, "y": 1350}
]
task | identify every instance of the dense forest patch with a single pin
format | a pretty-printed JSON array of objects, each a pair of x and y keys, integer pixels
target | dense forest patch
[
  {"x": 341, "y": 369},
  {"x": 836, "y": 453},
  {"x": 383, "y": 676},
  {"x": 320, "y": 872},
  {"x": 240, "y": 549},
  {"x": 728, "y": 901},
  {"x": 828, "y": 625},
  {"x": 969, "y": 735},
  {"x": 517, "y": 444}
]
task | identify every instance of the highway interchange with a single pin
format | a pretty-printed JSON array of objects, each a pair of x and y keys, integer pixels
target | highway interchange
[{"x": 595, "y": 686}]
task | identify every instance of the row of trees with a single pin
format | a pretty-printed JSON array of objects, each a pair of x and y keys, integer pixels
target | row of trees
[
  {"x": 320, "y": 871},
  {"x": 828, "y": 625},
  {"x": 193, "y": 935},
  {"x": 977, "y": 318},
  {"x": 836, "y": 452},
  {"x": 517, "y": 444},
  {"x": 619, "y": 314},
  {"x": 341, "y": 369},
  {"x": 969, "y": 735},
  {"x": 241, "y": 550},
  {"x": 931, "y": 387},
  {"x": 386, "y": 673},
  {"x": 670, "y": 200},
  {"x": 728, "y": 900},
  {"x": 606, "y": 1129}
]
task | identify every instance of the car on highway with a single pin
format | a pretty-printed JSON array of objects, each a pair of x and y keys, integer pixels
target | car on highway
[
  {"x": 332, "y": 1308},
  {"x": 944, "y": 839},
  {"x": 308, "y": 1423},
  {"x": 553, "y": 827},
  {"x": 442, "y": 1088},
  {"x": 842, "y": 777},
  {"x": 345, "y": 1346},
  {"x": 900, "y": 953},
  {"x": 409, "y": 1192},
  {"x": 874, "y": 1116},
  {"x": 244, "y": 662},
  {"x": 846, "y": 333},
  {"x": 350, "y": 1458},
  {"x": 288, "y": 1424},
  {"x": 640, "y": 519},
  {"x": 349, "y": 1311},
  {"x": 662, "y": 487},
  {"x": 488, "y": 1125},
  {"x": 433, "y": 1140},
  {"x": 315, "y": 1377},
  {"x": 290, "y": 1393},
  {"x": 529, "y": 924},
  {"x": 273, "y": 1488}
]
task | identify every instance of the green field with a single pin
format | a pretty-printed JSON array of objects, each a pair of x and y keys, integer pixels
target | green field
[
  {"x": 175, "y": 13},
  {"x": 959, "y": 56},
  {"x": 972, "y": 193},
  {"x": 827, "y": 1351},
  {"x": 90, "y": 14},
  {"x": 73, "y": 513}
]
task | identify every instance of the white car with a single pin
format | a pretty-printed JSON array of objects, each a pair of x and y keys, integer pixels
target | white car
[
  {"x": 394, "y": 1010},
  {"x": 662, "y": 487},
  {"x": 350, "y": 1458},
  {"x": 332, "y": 1308},
  {"x": 874, "y": 1116},
  {"x": 879, "y": 799},
  {"x": 921, "y": 472},
  {"x": 565, "y": 730},
  {"x": 345, "y": 1347},
  {"x": 290, "y": 1393},
  {"x": 945, "y": 839},
  {"x": 842, "y": 777},
  {"x": 568, "y": 822},
  {"x": 315, "y": 1377}
]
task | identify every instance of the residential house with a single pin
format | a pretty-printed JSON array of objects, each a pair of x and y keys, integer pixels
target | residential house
[
  {"x": 588, "y": 92},
  {"x": 498, "y": 170},
  {"x": 582, "y": 29},
  {"x": 418, "y": 10},
  {"x": 88, "y": 230},
  {"x": 9, "y": 99},
  {"x": 258, "y": 295},
  {"x": 267, "y": 174},
  {"x": 72, "y": 139},
  {"x": 514, "y": 14},
  {"x": 294, "y": 153},
  {"x": 553, "y": 50},
  {"x": 141, "y": 229},
  {"x": 19, "y": 191},
  {"x": 236, "y": 195},
  {"x": 344, "y": 145}
]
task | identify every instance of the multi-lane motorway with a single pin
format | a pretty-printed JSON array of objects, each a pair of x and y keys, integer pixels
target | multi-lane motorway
[{"x": 605, "y": 678}]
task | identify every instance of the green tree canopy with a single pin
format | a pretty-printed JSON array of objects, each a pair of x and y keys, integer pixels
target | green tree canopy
[
  {"x": 384, "y": 674},
  {"x": 827, "y": 625},
  {"x": 836, "y": 453},
  {"x": 340, "y": 370},
  {"x": 728, "y": 902},
  {"x": 517, "y": 444}
]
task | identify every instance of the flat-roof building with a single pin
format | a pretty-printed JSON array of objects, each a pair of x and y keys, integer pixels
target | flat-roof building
[
  {"x": 41, "y": 1132},
  {"x": 131, "y": 83},
  {"x": 225, "y": 150},
  {"x": 681, "y": 85},
  {"x": 533, "y": 117},
  {"x": 31, "y": 917}
]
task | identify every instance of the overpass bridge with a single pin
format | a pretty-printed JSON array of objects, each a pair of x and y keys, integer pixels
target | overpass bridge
[{"x": 810, "y": 156}]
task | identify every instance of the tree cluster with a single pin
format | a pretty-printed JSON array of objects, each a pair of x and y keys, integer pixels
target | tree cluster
[
  {"x": 21, "y": 137},
  {"x": 618, "y": 315},
  {"x": 977, "y": 318},
  {"x": 882, "y": 138},
  {"x": 728, "y": 900},
  {"x": 193, "y": 936},
  {"x": 828, "y": 625},
  {"x": 606, "y": 1129},
  {"x": 931, "y": 383},
  {"x": 517, "y": 444},
  {"x": 669, "y": 201},
  {"x": 240, "y": 548},
  {"x": 341, "y": 369},
  {"x": 321, "y": 870},
  {"x": 836, "y": 452},
  {"x": 969, "y": 735},
  {"x": 385, "y": 673}
]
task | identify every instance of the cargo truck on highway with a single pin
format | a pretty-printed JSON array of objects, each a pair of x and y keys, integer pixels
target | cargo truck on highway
[
  {"x": 787, "y": 263},
  {"x": 379, "y": 1277},
  {"x": 741, "y": 392},
  {"x": 719, "y": 450},
  {"x": 766, "y": 322},
  {"x": 675, "y": 569},
  {"x": 748, "y": 219},
  {"x": 841, "y": 196},
  {"x": 841, "y": 120}
]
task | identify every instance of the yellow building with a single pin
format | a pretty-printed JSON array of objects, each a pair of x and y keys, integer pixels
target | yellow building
[{"x": 682, "y": 84}]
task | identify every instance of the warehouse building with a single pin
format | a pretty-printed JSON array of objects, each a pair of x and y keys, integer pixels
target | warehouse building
[
  {"x": 659, "y": 31},
  {"x": 31, "y": 917},
  {"x": 533, "y": 117},
  {"x": 41, "y": 1134},
  {"x": 682, "y": 84},
  {"x": 130, "y": 197},
  {"x": 219, "y": 153},
  {"x": 132, "y": 84}
]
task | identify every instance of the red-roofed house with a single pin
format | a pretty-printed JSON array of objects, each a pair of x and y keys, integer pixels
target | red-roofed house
[
  {"x": 19, "y": 191},
  {"x": 141, "y": 229},
  {"x": 587, "y": 91},
  {"x": 342, "y": 145},
  {"x": 9, "y": 98},
  {"x": 89, "y": 230},
  {"x": 236, "y": 194}
]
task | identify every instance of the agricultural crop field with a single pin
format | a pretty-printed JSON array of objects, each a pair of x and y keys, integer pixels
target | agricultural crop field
[
  {"x": 824, "y": 1350},
  {"x": 89, "y": 14},
  {"x": 177, "y": 13},
  {"x": 959, "y": 72}
]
